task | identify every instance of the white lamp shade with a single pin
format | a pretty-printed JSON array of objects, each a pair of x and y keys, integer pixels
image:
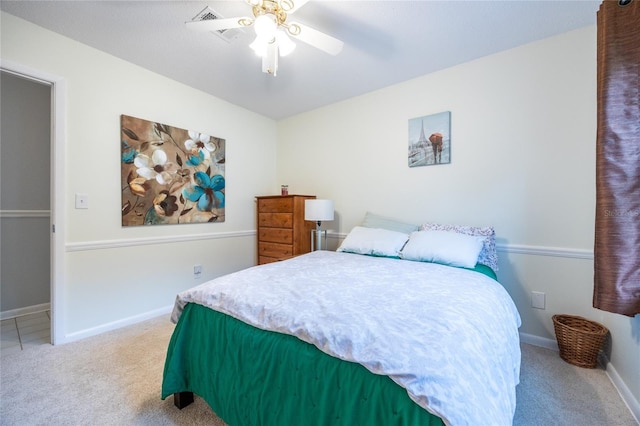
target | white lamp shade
[
  {"x": 285, "y": 45},
  {"x": 259, "y": 46},
  {"x": 318, "y": 210}
]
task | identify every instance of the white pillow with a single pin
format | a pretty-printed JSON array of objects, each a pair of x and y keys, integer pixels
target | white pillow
[
  {"x": 448, "y": 248},
  {"x": 374, "y": 241},
  {"x": 488, "y": 255}
]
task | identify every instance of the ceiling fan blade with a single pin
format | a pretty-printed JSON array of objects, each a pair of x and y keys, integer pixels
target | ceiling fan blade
[
  {"x": 315, "y": 38},
  {"x": 217, "y": 24}
]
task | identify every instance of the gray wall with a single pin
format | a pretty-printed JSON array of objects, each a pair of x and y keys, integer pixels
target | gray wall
[{"x": 24, "y": 192}]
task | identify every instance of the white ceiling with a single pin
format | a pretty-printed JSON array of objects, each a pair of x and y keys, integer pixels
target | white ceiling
[{"x": 386, "y": 42}]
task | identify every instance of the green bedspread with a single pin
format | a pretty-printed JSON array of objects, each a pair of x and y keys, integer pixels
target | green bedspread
[
  {"x": 483, "y": 269},
  {"x": 254, "y": 377}
]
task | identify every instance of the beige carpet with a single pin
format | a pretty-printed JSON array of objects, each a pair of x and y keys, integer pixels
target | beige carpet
[{"x": 115, "y": 379}]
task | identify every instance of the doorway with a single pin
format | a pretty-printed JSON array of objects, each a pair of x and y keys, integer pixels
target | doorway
[
  {"x": 25, "y": 212},
  {"x": 32, "y": 174}
]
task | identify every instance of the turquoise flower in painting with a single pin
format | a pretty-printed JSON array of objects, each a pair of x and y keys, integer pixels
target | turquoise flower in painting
[
  {"x": 128, "y": 153},
  {"x": 195, "y": 160},
  {"x": 206, "y": 192}
]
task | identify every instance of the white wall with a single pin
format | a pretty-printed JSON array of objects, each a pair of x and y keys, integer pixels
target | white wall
[
  {"x": 112, "y": 274},
  {"x": 523, "y": 129}
]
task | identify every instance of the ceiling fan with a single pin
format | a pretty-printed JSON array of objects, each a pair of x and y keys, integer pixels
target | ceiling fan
[{"x": 273, "y": 30}]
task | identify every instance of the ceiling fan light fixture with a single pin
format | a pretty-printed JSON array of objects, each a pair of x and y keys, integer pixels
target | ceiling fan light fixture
[
  {"x": 285, "y": 45},
  {"x": 259, "y": 46},
  {"x": 265, "y": 26}
]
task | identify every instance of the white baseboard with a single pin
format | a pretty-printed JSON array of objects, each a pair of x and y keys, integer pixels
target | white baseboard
[
  {"x": 79, "y": 335},
  {"x": 618, "y": 383},
  {"x": 12, "y": 313},
  {"x": 623, "y": 390},
  {"x": 539, "y": 341}
]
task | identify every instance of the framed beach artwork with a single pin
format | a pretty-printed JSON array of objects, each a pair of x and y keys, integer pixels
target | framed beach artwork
[
  {"x": 170, "y": 175},
  {"x": 430, "y": 140}
]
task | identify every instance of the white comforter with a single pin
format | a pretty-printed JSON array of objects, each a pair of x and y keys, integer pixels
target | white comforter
[{"x": 447, "y": 335}]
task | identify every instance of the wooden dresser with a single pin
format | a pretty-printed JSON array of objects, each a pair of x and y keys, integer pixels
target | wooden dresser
[{"x": 282, "y": 230}]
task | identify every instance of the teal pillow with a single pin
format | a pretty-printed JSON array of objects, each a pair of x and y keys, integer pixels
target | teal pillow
[{"x": 374, "y": 242}]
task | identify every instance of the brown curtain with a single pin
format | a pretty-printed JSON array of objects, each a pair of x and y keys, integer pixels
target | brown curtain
[{"x": 617, "y": 230}]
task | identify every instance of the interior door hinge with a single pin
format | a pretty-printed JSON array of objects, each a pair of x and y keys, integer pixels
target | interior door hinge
[{"x": 53, "y": 228}]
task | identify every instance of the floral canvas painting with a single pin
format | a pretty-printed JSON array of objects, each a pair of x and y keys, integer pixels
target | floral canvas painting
[
  {"x": 430, "y": 140},
  {"x": 170, "y": 175}
]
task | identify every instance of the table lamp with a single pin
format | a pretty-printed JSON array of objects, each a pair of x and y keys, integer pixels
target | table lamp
[{"x": 318, "y": 211}]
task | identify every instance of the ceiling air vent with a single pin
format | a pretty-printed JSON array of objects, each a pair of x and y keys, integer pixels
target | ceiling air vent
[{"x": 227, "y": 35}]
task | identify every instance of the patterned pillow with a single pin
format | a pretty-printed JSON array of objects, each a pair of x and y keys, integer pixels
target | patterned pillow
[{"x": 488, "y": 256}]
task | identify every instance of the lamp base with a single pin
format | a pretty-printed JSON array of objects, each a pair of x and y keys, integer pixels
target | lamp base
[{"x": 318, "y": 239}]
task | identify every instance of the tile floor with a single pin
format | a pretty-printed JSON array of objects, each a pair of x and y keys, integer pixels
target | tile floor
[{"x": 20, "y": 333}]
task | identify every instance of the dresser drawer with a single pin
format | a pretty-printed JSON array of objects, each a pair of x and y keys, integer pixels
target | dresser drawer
[
  {"x": 275, "y": 250},
  {"x": 275, "y": 220},
  {"x": 271, "y": 205},
  {"x": 276, "y": 235},
  {"x": 266, "y": 259}
]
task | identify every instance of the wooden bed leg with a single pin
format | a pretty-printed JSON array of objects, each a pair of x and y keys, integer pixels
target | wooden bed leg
[{"x": 182, "y": 399}]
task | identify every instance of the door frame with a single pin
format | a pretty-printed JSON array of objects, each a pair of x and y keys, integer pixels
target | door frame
[{"x": 57, "y": 188}]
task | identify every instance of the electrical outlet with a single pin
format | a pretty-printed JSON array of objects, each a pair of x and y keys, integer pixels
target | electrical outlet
[
  {"x": 197, "y": 271},
  {"x": 537, "y": 300},
  {"x": 82, "y": 201}
]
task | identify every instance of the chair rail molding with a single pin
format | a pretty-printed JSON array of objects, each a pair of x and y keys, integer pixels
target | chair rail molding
[
  {"x": 24, "y": 213},
  {"x": 572, "y": 253},
  {"x": 134, "y": 242}
]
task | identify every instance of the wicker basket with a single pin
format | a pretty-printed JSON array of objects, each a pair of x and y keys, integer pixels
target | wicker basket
[{"x": 579, "y": 339}]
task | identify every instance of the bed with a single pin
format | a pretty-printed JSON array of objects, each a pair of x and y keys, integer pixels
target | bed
[{"x": 346, "y": 338}]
